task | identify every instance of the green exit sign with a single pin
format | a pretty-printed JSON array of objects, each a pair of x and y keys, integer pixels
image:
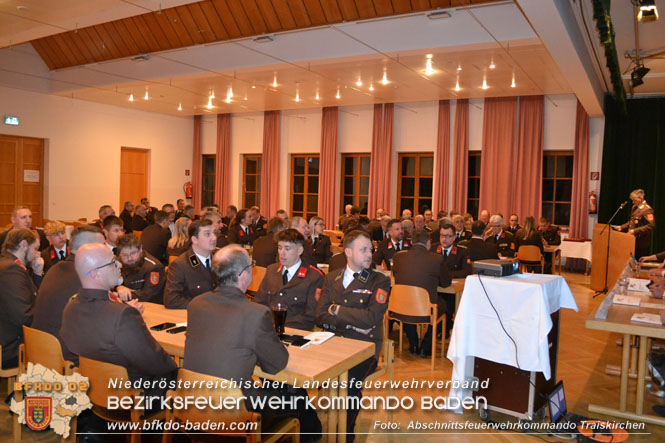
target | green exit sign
[{"x": 10, "y": 120}]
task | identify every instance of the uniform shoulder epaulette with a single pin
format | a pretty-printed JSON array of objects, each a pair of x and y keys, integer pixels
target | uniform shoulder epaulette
[
  {"x": 316, "y": 269},
  {"x": 194, "y": 260},
  {"x": 149, "y": 261},
  {"x": 340, "y": 274},
  {"x": 363, "y": 276}
]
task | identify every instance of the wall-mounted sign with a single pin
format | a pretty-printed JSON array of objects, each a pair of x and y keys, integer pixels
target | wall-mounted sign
[
  {"x": 595, "y": 176},
  {"x": 11, "y": 120},
  {"x": 31, "y": 175}
]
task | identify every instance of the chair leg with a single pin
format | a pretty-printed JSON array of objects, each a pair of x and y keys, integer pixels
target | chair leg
[
  {"x": 10, "y": 385},
  {"x": 443, "y": 336},
  {"x": 400, "y": 337}
]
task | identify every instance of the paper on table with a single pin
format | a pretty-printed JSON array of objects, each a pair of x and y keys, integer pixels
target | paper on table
[
  {"x": 653, "y": 305},
  {"x": 638, "y": 284},
  {"x": 316, "y": 338},
  {"x": 177, "y": 325},
  {"x": 643, "y": 317},
  {"x": 626, "y": 300}
]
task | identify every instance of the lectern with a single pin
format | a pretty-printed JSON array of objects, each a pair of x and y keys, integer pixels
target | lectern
[{"x": 621, "y": 246}]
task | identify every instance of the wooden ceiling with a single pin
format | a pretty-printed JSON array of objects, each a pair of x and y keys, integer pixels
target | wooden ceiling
[{"x": 210, "y": 21}]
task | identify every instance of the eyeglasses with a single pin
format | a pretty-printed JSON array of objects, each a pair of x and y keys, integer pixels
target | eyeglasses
[
  {"x": 112, "y": 262},
  {"x": 447, "y": 235},
  {"x": 251, "y": 265}
]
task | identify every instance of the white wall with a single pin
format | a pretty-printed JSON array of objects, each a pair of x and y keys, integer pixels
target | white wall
[{"x": 82, "y": 149}]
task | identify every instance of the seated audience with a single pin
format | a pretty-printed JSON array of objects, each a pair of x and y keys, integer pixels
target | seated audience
[
  {"x": 484, "y": 216},
  {"x": 189, "y": 275},
  {"x": 419, "y": 223},
  {"x": 62, "y": 283},
  {"x": 216, "y": 220},
  {"x": 477, "y": 248},
  {"x": 408, "y": 228},
  {"x": 180, "y": 206},
  {"x": 179, "y": 243},
  {"x": 354, "y": 215},
  {"x": 149, "y": 210},
  {"x": 264, "y": 251},
  {"x": 94, "y": 326},
  {"x": 529, "y": 235},
  {"x": 387, "y": 248},
  {"x": 155, "y": 237},
  {"x": 18, "y": 288},
  {"x": 407, "y": 214},
  {"x": 170, "y": 210},
  {"x": 300, "y": 225},
  {"x": 513, "y": 224},
  {"x": 549, "y": 232},
  {"x": 291, "y": 283},
  {"x": 231, "y": 212},
  {"x": 104, "y": 211},
  {"x": 58, "y": 250},
  {"x": 218, "y": 325},
  {"x": 281, "y": 213},
  {"x": 258, "y": 221},
  {"x": 241, "y": 232},
  {"x": 22, "y": 218},
  {"x": 420, "y": 267},
  {"x": 143, "y": 276},
  {"x": 190, "y": 212},
  {"x": 344, "y": 217},
  {"x": 113, "y": 229},
  {"x": 502, "y": 239},
  {"x": 320, "y": 242},
  {"x": 126, "y": 216},
  {"x": 461, "y": 233},
  {"x": 139, "y": 221}
]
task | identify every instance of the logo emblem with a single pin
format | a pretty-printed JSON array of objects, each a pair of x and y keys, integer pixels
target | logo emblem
[
  {"x": 381, "y": 296},
  {"x": 38, "y": 415},
  {"x": 154, "y": 278}
]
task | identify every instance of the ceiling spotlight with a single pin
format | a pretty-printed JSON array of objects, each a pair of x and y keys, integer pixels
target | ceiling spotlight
[
  {"x": 384, "y": 80},
  {"x": 338, "y": 96},
  {"x": 457, "y": 88},
  {"x": 228, "y": 98},
  {"x": 131, "y": 97},
  {"x": 253, "y": 85},
  {"x": 637, "y": 75},
  {"x": 428, "y": 68},
  {"x": 648, "y": 11},
  {"x": 492, "y": 65},
  {"x": 209, "y": 105},
  {"x": 317, "y": 94},
  {"x": 297, "y": 97},
  {"x": 274, "y": 82},
  {"x": 512, "y": 85},
  {"x": 230, "y": 92},
  {"x": 485, "y": 84},
  {"x": 459, "y": 67},
  {"x": 212, "y": 94},
  {"x": 359, "y": 83},
  {"x": 371, "y": 87},
  {"x": 245, "y": 97},
  {"x": 146, "y": 97},
  {"x": 179, "y": 106}
]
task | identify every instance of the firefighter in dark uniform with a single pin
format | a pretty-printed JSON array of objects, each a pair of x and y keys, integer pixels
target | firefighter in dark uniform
[
  {"x": 457, "y": 261},
  {"x": 58, "y": 249},
  {"x": 502, "y": 239},
  {"x": 461, "y": 234},
  {"x": 513, "y": 224},
  {"x": 143, "y": 275},
  {"x": 242, "y": 232},
  {"x": 22, "y": 218},
  {"x": 264, "y": 251},
  {"x": 189, "y": 274},
  {"x": 291, "y": 283},
  {"x": 352, "y": 304},
  {"x": 393, "y": 244},
  {"x": 550, "y": 235},
  {"x": 641, "y": 224}
]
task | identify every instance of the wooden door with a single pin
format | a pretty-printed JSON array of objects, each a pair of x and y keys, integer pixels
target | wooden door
[
  {"x": 21, "y": 177},
  {"x": 133, "y": 175}
]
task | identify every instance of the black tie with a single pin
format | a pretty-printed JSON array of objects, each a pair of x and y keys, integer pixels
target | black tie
[
  {"x": 496, "y": 238},
  {"x": 114, "y": 250},
  {"x": 246, "y": 231},
  {"x": 285, "y": 277},
  {"x": 62, "y": 255},
  {"x": 445, "y": 253},
  {"x": 458, "y": 235},
  {"x": 355, "y": 274},
  {"x": 397, "y": 248},
  {"x": 314, "y": 242},
  {"x": 207, "y": 263}
]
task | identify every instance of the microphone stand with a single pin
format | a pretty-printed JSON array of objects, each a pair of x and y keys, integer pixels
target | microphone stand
[{"x": 607, "y": 256}]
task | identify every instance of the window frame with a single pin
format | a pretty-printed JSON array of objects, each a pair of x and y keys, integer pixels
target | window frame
[
  {"x": 357, "y": 175},
  {"x": 244, "y": 191},
  {"x": 204, "y": 190},
  {"x": 468, "y": 182},
  {"x": 416, "y": 190},
  {"x": 554, "y": 202},
  {"x": 306, "y": 212}
]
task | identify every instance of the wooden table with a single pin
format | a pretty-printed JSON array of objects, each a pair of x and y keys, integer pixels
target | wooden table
[
  {"x": 618, "y": 320},
  {"x": 328, "y": 361}
]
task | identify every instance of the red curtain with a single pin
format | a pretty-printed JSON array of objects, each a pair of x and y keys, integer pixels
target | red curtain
[
  {"x": 327, "y": 201},
  {"x": 527, "y": 195},
  {"x": 196, "y": 165},
  {"x": 380, "y": 178},
  {"x": 270, "y": 164},
  {"x": 460, "y": 156},
  {"x": 223, "y": 161},
  {"x": 497, "y": 168},
  {"x": 579, "y": 218},
  {"x": 440, "y": 201}
]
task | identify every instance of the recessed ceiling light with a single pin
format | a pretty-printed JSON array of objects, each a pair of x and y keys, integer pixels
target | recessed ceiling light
[
  {"x": 274, "y": 82},
  {"x": 459, "y": 67},
  {"x": 338, "y": 96},
  {"x": 512, "y": 85},
  {"x": 146, "y": 97},
  {"x": 359, "y": 83},
  {"x": 492, "y": 65},
  {"x": 131, "y": 97},
  {"x": 180, "y": 107},
  {"x": 371, "y": 87},
  {"x": 212, "y": 94},
  {"x": 457, "y": 88},
  {"x": 484, "y": 84},
  {"x": 384, "y": 80},
  {"x": 428, "y": 68},
  {"x": 209, "y": 105},
  {"x": 297, "y": 97},
  {"x": 317, "y": 94},
  {"x": 230, "y": 92}
]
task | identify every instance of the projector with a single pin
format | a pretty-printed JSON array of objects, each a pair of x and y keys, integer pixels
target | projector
[{"x": 495, "y": 268}]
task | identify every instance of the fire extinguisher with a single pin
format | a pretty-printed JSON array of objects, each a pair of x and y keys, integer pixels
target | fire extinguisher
[
  {"x": 593, "y": 205},
  {"x": 188, "y": 189}
]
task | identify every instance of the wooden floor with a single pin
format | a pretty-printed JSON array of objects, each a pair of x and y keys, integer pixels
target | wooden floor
[{"x": 583, "y": 355}]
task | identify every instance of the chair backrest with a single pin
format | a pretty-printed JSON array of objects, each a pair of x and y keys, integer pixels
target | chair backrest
[
  {"x": 219, "y": 390},
  {"x": 409, "y": 300},
  {"x": 99, "y": 373},
  {"x": 42, "y": 348},
  {"x": 529, "y": 253},
  {"x": 258, "y": 273},
  {"x": 335, "y": 236}
]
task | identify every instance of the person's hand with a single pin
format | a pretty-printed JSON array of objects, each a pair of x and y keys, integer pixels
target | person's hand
[
  {"x": 37, "y": 265},
  {"x": 136, "y": 305},
  {"x": 647, "y": 258},
  {"x": 124, "y": 293},
  {"x": 616, "y": 228},
  {"x": 631, "y": 231}
]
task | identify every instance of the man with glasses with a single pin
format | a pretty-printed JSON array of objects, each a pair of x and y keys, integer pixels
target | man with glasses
[
  {"x": 97, "y": 327},
  {"x": 142, "y": 274},
  {"x": 60, "y": 284},
  {"x": 189, "y": 275},
  {"x": 291, "y": 283},
  {"x": 513, "y": 224},
  {"x": 502, "y": 239},
  {"x": 227, "y": 336}
]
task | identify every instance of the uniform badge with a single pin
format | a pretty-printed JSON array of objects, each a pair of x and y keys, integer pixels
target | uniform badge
[
  {"x": 302, "y": 272},
  {"x": 454, "y": 250},
  {"x": 390, "y": 245},
  {"x": 154, "y": 278},
  {"x": 38, "y": 415},
  {"x": 381, "y": 296},
  {"x": 650, "y": 217},
  {"x": 317, "y": 294},
  {"x": 439, "y": 249},
  {"x": 241, "y": 233},
  {"x": 194, "y": 260},
  {"x": 406, "y": 243},
  {"x": 52, "y": 254}
]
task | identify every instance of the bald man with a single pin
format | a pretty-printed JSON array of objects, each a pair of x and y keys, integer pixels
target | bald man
[{"x": 98, "y": 327}]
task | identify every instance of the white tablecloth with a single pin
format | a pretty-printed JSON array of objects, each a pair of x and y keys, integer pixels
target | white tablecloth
[
  {"x": 576, "y": 249},
  {"x": 524, "y": 303}
]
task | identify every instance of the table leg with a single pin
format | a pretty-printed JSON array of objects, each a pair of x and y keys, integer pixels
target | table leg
[
  {"x": 641, "y": 370},
  {"x": 332, "y": 413},
  {"x": 625, "y": 360},
  {"x": 634, "y": 346},
  {"x": 341, "y": 426}
]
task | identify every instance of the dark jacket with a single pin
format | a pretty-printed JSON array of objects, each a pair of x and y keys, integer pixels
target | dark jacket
[
  {"x": 533, "y": 239},
  {"x": 51, "y": 257},
  {"x": 147, "y": 282},
  {"x": 464, "y": 235},
  {"x": 337, "y": 261},
  {"x": 126, "y": 218},
  {"x": 362, "y": 306},
  {"x": 457, "y": 261},
  {"x": 505, "y": 243},
  {"x": 264, "y": 251},
  {"x": 300, "y": 294},
  {"x": 139, "y": 223},
  {"x": 95, "y": 327},
  {"x": 642, "y": 222},
  {"x": 238, "y": 235},
  {"x": 17, "y": 297},
  {"x": 551, "y": 235},
  {"x": 43, "y": 241},
  {"x": 478, "y": 249},
  {"x": 321, "y": 251},
  {"x": 219, "y": 327},
  {"x": 155, "y": 240},
  {"x": 174, "y": 252},
  {"x": 422, "y": 268},
  {"x": 187, "y": 277},
  {"x": 386, "y": 250},
  {"x": 259, "y": 226}
]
